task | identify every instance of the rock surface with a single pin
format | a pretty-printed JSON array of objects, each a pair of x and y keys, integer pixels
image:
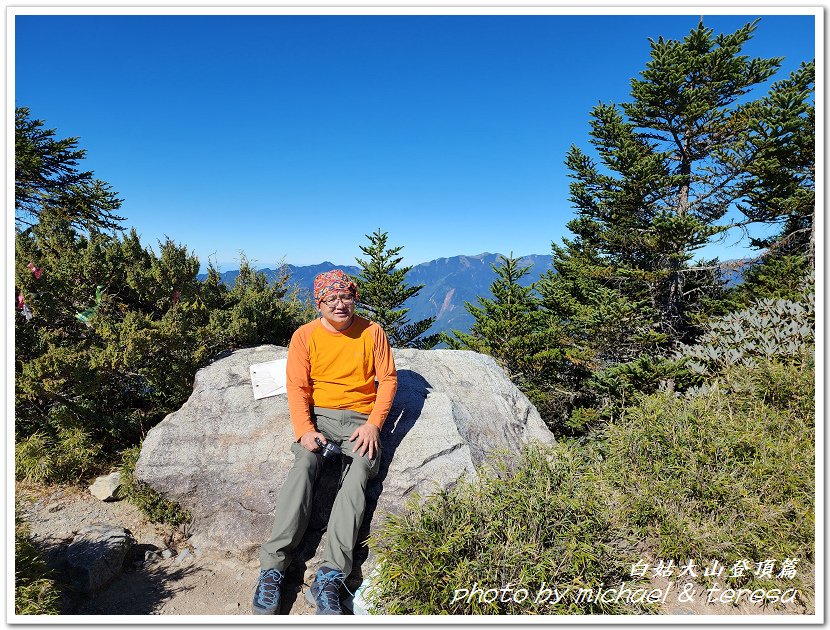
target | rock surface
[
  {"x": 105, "y": 488},
  {"x": 96, "y": 556},
  {"x": 223, "y": 455}
]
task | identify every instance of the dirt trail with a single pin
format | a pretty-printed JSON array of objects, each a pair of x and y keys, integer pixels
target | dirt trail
[{"x": 181, "y": 585}]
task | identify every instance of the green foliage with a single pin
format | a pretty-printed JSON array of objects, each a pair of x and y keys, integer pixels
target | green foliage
[
  {"x": 35, "y": 591},
  {"x": 547, "y": 519},
  {"x": 602, "y": 323},
  {"x": 514, "y": 330},
  {"x": 780, "y": 186},
  {"x": 382, "y": 291},
  {"x": 46, "y": 177},
  {"x": 611, "y": 389},
  {"x": 726, "y": 473},
  {"x": 113, "y": 377},
  {"x": 69, "y": 455},
  {"x": 252, "y": 311},
  {"x": 597, "y": 328},
  {"x": 770, "y": 328},
  {"x": 87, "y": 387},
  {"x": 776, "y": 275},
  {"x": 153, "y": 505}
]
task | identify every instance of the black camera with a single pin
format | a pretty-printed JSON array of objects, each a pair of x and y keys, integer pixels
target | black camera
[{"x": 330, "y": 449}]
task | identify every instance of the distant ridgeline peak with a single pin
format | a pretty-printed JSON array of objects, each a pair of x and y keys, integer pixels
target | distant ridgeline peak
[{"x": 448, "y": 283}]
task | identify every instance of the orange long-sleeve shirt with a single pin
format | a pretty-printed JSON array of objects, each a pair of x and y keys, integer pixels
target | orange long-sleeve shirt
[{"x": 337, "y": 370}]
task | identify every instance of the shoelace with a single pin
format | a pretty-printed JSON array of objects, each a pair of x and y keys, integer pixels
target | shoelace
[
  {"x": 335, "y": 578},
  {"x": 269, "y": 590}
]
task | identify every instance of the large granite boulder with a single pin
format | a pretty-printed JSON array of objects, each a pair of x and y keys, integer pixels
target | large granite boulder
[{"x": 224, "y": 455}]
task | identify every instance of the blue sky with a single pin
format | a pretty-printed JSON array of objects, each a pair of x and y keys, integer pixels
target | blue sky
[{"x": 291, "y": 137}]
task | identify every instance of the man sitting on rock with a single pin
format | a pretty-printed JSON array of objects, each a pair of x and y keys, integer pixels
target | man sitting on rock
[{"x": 333, "y": 363}]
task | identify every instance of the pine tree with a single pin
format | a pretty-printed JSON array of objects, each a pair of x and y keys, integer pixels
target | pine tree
[
  {"x": 780, "y": 189},
  {"x": 382, "y": 291},
  {"x": 514, "y": 330},
  {"x": 46, "y": 175},
  {"x": 661, "y": 189},
  {"x": 778, "y": 148},
  {"x": 687, "y": 148},
  {"x": 253, "y": 310}
]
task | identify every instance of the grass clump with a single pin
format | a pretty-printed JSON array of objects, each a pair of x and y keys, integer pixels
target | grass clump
[
  {"x": 545, "y": 521},
  {"x": 35, "y": 592},
  {"x": 723, "y": 474},
  {"x": 151, "y": 503},
  {"x": 67, "y": 456}
]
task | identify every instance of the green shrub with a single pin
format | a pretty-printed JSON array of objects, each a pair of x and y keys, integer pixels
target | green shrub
[
  {"x": 151, "y": 503},
  {"x": 35, "y": 592},
  {"x": 623, "y": 384},
  {"x": 769, "y": 328},
  {"x": 726, "y": 473},
  {"x": 546, "y": 521},
  {"x": 776, "y": 275},
  {"x": 67, "y": 456},
  {"x": 115, "y": 334}
]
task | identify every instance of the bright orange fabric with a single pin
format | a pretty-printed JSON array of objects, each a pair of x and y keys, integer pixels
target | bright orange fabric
[{"x": 337, "y": 370}]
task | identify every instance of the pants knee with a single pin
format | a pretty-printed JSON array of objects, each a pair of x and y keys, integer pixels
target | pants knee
[
  {"x": 304, "y": 459},
  {"x": 363, "y": 468}
]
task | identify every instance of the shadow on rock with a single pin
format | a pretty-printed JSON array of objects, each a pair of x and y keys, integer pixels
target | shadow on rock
[{"x": 413, "y": 390}]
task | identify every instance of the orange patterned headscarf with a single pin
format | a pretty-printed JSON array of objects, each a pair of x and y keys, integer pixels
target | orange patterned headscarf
[{"x": 332, "y": 281}]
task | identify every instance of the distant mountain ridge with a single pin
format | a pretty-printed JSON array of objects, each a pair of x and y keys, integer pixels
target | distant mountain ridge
[{"x": 448, "y": 283}]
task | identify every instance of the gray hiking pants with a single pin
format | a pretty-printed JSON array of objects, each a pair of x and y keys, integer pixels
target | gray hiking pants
[{"x": 293, "y": 508}]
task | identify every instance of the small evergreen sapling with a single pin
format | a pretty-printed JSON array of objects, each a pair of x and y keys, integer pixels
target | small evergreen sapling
[
  {"x": 514, "y": 329},
  {"x": 382, "y": 291}
]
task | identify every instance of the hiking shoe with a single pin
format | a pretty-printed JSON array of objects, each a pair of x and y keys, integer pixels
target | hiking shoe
[
  {"x": 267, "y": 594},
  {"x": 324, "y": 592}
]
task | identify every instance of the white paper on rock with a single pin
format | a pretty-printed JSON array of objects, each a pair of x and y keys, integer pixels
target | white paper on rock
[{"x": 268, "y": 379}]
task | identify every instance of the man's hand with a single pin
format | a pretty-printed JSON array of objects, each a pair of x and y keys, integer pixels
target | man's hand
[
  {"x": 366, "y": 437},
  {"x": 307, "y": 440}
]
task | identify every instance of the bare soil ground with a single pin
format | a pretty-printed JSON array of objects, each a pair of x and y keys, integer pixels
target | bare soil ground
[{"x": 186, "y": 584}]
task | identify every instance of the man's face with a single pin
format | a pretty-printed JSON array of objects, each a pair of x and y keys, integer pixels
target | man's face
[{"x": 337, "y": 308}]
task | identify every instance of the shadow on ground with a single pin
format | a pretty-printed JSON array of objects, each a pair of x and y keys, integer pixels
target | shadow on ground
[
  {"x": 139, "y": 588},
  {"x": 139, "y": 591}
]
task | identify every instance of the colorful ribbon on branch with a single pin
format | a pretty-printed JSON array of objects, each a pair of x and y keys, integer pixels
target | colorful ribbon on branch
[
  {"x": 88, "y": 313},
  {"x": 24, "y": 308},
  {"x": 36, "y": 272}
]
